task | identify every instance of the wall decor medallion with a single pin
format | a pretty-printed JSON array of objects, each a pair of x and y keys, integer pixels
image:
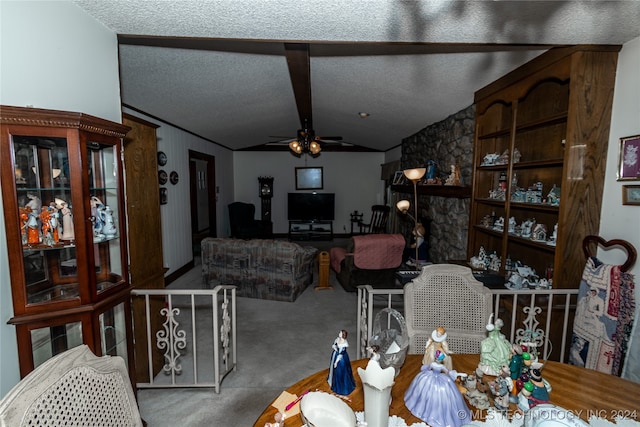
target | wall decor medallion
[
  {"x": 174, "y": 178},
  {"x": 162, "y": 177},
  {"x": 162, "y": 158}
]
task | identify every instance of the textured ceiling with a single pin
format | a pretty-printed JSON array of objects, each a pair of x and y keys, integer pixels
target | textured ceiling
[{"x": 218, "y": 68}]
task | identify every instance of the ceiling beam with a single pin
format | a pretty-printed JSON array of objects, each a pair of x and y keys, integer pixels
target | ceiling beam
[{"x": 300, "y": 73}]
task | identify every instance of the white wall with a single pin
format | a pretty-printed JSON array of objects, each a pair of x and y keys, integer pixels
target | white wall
[
  {"x": 53, "y": 56},
  {"x": 618, "y": 221},
  {"x": 353, "y": 177}
]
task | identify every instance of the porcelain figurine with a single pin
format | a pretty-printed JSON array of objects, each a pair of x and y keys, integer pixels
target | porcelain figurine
[
  {"x": 475, "y": 397},
  {"x": 109, "y": 228},
  {"x": 33, "y": 234},
  {"x": 54, "y": 220},
  {"x": 540, "y": 391},
  {"x": 47, "y": 232},
  {"x": 454, "y": 176},
  {"x": 67, "y": 220},
  {"x": 340, "y": 377},
  {"x": 501, "y": 389},
  {"x": 24, "y": 218},
  {"x": 98, "y": 223},
  {"x": 490, "y": 159},
  {"x": 495, "y": 350},
  {"x": 437, "y": 343},
  {"x": 434, "y": 397}
]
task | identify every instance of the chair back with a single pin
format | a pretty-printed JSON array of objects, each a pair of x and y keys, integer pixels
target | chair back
[
  {"x": 447, "y": 295},
  {"x": 74, "y": 388},
  {"x": 242, "y": 222},
  {"x": 378, "y": 223}
]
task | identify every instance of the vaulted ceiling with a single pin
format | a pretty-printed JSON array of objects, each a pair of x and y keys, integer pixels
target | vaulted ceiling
[{"x": 244, "y": 73}]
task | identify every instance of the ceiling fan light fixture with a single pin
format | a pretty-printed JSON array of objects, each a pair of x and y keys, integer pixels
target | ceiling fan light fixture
[
  {"x": 314, "y": 147},
  {"x": 363, "y": 115}
]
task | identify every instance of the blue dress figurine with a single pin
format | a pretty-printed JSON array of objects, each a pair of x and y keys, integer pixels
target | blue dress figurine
[
  {"x": 433, "y": 396},
  {"x": 340, "y": 377}
]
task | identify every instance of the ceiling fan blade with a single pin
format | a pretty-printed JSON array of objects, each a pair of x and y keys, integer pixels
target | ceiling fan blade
[
  {"x": 328, "y": 138},
  {"x": 300, "y": 72}
]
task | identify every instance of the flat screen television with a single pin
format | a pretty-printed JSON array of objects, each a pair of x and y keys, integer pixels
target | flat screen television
[{"x": 311, "y": 207}]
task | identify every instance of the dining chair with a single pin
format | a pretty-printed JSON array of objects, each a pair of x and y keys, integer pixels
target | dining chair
[
  {"x": 447, "y": 295},
  {"x": 74, "y": 388}
]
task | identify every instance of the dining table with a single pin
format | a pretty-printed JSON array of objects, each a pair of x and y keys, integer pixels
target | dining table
[{"x": 582, "y": 392}]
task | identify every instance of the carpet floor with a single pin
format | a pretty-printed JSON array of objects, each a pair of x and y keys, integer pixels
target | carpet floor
[{"x": 278, "y": 343}]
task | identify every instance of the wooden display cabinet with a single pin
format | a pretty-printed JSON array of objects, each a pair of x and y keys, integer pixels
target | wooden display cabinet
[
  {"x": 551, "y": 116},
  {"x": 65, "y": 227}
]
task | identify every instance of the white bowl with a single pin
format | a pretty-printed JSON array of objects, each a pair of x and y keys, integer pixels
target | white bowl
[{"x": 321, "y": 409}]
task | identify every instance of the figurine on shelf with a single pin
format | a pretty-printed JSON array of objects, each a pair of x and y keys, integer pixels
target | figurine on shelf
[
  {"x": 33, "y": 234},
  {"x": 437, "y": 343},
  {"x": 434, "y": 397},
  {"x": 478, "y": 262},
  {"x": 454, "y": 177},
  {"x": 539, "y": 233},
  {"x": 67, "y": 220},
  {"x": 340, "y": 377},
  {"x": 495, "y": 350},
  {"x": 24, "y": 218},
  {"x": 499, "y": 224},
  {"x": 45, "y": 220},
  {"x": 489, "y": 159},
  {"x": 35, "y": 204},
  {"x": 501, "y": 388},
  {"x": 109, "y": 228},
  {"x": 98, "y": 223},
  {"x": 527, "y": 226},
  {"x": 54, "y": 221}
]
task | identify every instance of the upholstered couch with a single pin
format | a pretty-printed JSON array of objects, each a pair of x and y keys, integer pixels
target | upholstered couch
[
  {"x": 260, "y": 268},
  {"x": 368, "y": 260}
]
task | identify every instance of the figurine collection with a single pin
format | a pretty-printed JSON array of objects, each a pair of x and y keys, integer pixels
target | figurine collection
[
  {"x": 52, "y": 225},
  {"x": 508, "y": 377}
]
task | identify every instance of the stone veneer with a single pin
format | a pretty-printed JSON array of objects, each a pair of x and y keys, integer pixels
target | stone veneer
[{"x": 447, "y": 142}]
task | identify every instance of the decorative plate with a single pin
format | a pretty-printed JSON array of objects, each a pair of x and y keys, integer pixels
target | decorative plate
[
  {"x": 162, "y": 158},
  {"x": 162, "y": 177},
  {"x": 174, "y": 178}
]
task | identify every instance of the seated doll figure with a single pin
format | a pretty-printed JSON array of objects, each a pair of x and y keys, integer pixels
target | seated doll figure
[{"x": 434, "y": 397}]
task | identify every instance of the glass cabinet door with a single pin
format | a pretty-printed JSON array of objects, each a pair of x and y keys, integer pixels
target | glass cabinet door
[
  {"x": 51, "y": 340},
  {"x": 104, "y": 190},
  {"x": 41, "y": 171},
  {"x": 113, "y": 332}
]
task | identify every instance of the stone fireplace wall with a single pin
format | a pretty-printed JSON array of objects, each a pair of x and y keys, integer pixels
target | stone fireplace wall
[{"x": 448, "y": 142}]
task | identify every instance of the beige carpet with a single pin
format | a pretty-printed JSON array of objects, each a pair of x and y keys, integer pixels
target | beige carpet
[{"x": 279, "y": 343}]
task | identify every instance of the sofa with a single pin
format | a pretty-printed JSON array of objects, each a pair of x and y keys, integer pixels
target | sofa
[
  {"x": 260, "y": 268},
  {"x": 368, "y": 260}
]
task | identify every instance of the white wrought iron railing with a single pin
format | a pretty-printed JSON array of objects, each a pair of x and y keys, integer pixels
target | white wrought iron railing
[
  {"x": 542, "y": 319},
  {"x": 194, "y": 331}
]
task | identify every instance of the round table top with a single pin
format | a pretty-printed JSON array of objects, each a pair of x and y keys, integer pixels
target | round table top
[{"x": 584, "y": 392}]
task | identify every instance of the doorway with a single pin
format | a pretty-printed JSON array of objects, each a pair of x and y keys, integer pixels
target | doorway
[{"x": 202, "y": 188}]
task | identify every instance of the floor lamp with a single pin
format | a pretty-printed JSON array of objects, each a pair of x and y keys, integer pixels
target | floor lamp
[{"x": 413, "y": 175}]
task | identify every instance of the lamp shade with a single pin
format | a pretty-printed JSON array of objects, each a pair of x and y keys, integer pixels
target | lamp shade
[
  {"x": 415, "y": 174},
  {"x": 403, "y": 205}
]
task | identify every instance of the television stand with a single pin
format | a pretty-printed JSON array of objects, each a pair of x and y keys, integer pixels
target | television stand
[{"x": 310, "y": 230}]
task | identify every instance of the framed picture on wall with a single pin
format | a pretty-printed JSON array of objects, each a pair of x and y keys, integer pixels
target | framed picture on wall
[
  {"x": 631, "y": 195},
  {"x": 309, "y": 178},
  {"x": 629, "y": 163}
]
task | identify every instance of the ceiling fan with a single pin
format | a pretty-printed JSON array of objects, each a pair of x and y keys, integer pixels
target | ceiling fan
[{"x": 306, "y": 141}]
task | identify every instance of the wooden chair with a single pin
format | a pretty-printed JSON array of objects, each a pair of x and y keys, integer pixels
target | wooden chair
[
  {"x": 447, "y": 295},
  {"x": 378, "y": 222}
]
